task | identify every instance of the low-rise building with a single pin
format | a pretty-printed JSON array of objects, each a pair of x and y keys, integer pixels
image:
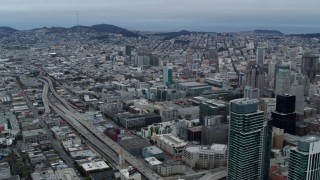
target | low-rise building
[
  {"x": 153, "y": 163},
  {"x": 94, "y": 166},
  {"x": 35, "y": 135},
  {"x": 42, "y": 174},
  {"x": 136, "y": 121},
  {"x": 170, "y": 144},
  {"x": 206, "y": 157},
  {"x": 192, "y": 88},
  {"x": 152, "y": 151},
  {"x": 67, "y": 174},
  {"x": 37, "y": 157},
  {"x": 168, "y": 168},
  {"x": 134, "y": 145},
  {"x": 174, "y": 127},
  {"x": 83, "y": 154},
  {"x": 130, "y": 173},
  {"x": 167, "y": 112}
]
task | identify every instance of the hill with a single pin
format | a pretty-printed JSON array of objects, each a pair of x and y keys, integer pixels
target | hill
[
  {"x": 170, "y": 35},
  {"x": 95, "y": 28},
  {"x": 7, "y": 29},
  {"x": 113, "y": 29}
]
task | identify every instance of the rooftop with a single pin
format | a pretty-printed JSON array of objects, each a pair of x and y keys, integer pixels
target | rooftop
[
  {"x": 172, "y": 140},
  {"x": 153, "y": 161},
  {"x": 34, "y": 132},
  {"x": 67, "y": 174},
  {"x": 192, "y": 84},
  {"x": 153, "y": 149},
  {"x": 214, "y": 149},
  {"x": 91, "y": 166}
]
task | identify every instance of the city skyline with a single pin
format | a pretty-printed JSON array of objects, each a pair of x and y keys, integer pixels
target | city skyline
[{"x": 211, "y": 16}]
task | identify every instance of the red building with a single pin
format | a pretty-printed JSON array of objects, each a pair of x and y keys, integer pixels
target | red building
[
  {"x": 194, "y": 133},
  {"x": 275, "y": 173}
]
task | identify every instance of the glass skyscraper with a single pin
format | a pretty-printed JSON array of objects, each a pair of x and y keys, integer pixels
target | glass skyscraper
[
  {"x": 304, "y": 161},
  {"x": 167, "y": 76},
  {"x": 249, "y": 141}
]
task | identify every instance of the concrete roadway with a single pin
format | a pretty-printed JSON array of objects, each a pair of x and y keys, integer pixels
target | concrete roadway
[{"x": 88, "y": 130}]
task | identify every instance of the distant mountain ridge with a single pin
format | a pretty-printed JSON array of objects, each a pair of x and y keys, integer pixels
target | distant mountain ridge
[
  {"x": 127, "y": 33},
  {"x": 7, "y": 29}
]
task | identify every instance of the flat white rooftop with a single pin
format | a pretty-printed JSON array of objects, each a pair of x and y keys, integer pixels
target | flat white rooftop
[
  {"x": 91, "y": 166},
  {"x": 172, "y": 140},
  {"x": 153, "y": 161}
]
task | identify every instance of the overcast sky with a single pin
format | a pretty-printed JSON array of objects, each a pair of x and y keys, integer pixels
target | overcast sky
[{"x": 289, "y": 16}]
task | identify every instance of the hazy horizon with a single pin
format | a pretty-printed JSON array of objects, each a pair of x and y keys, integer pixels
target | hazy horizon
[{"x": 165, "y": 15}]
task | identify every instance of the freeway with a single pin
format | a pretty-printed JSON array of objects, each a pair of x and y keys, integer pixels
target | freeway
[
  {"x": 58, "y": 108},
  {"x": 45, "y": 97},
  {"x": 92, "y": 134}
]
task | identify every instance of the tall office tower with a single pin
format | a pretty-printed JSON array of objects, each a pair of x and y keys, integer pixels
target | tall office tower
[
  {"x": 283, "y": 80},
  {"x": 154, "y": 59},
  {"x": 189, "y": 58},
  {"x": 167, "y": 76},
  {"x": 128, "y": 50},
  {"x": 249, "y": 141},
  {"x": 285, "y": 117},
  {"x": 271, "y": 73},
  {"x": 297, "y": 89},
  {"x": 260, "y": 55},
  {"x": 213, "y": 108},
  {"x": 276, "y": 70},
  {"x": 310, "y": 66},
  {"x": 255, "y": 78},
  {"x": 304, "y": 161}
]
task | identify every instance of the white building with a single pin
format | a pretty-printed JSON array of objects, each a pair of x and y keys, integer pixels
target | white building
[
  {"x": 170, "y": 144},
  {"x": 130, "y": 173},
  {"x": 153, "y": 163},
  {"x": 206, "y": 157},
  {"x": 163, "y": 127},
  {"x": 94, "y": 166}
]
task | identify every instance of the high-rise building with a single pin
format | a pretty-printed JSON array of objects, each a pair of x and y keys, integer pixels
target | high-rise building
[
  {"x": 304, "y": 161},
  {"x": 212, "y": 134},
  {"x": 213, "y": 107},
  {"x": 255, "y": 77},
  {"x": 189, "y": 58},
  {"x": 128, "y": 50},
  {"x": 297, "y": 89},
  {"x": 249, "y": 141},
  {"x": 283, "y": 80},
  {"x": 167, "y": 76},
  {"x": 260, "y": 55},
  {"x": 285, "y": 117},
  {"x": 310, "y": 66}
]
